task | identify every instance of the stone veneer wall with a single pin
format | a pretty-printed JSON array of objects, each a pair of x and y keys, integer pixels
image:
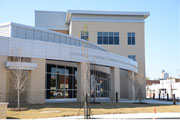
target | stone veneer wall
[
  {"x": 3, "y": 79},
  {"x": 3, "y": 110},
  {"x": 36, "y": 89}
]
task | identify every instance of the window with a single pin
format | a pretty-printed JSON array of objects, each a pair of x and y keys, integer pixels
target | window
[
  {"x": 133, "y": 57},
  {"x": 131, "y": 38},
  {"x": 61, "y": 82},
  {"x": 99, "y": 83},
  {"x": 111, "y": 38},
  {"x": 85, "y": 35}
]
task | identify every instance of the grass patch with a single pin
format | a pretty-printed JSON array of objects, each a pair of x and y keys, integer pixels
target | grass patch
[{"x": 72, "y": 109}]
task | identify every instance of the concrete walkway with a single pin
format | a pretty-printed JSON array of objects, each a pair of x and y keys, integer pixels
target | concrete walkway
[
  {"x": 150, "y": 101},
  {"x": 142, "y": 116}
]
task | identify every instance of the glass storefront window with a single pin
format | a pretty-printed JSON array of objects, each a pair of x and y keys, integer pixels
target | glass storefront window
[
  {"x": 51, "y": 68},
  {"x": 61, "y": 82},
  {"x": 69, "y": 70},
  {"x": 101, "y": 81},
  {"x": 60, "y": 70}
]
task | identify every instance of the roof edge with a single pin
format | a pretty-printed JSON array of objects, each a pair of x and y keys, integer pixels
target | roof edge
[{"x": 112, "y": 13}]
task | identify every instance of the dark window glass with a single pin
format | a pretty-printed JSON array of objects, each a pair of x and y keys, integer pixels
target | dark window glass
[
  {"x": 61, "y": 70},
  {"x": 110, "y": 40},
  {"x": 133, "y": 34},
  {"x": 105, "y": 39},
  {"x": 69, "y": 70},
  {"x": 131, "y": 38},
  {"x": 100, "y": 40},
  {"x": 116, "y": 41},
  {"x": 60, "y": 81},
  {"x": 133, "y": 57},
  {"x": 129, "y": 34},
  {"x": 116, "y": 34},
  {"x": 51, "y": 68},
  {"x": 84, "y": 35},
  {"x": 105, "y": 33},
  {"x": 53, "y": 81},
  {"x": 111, "y": 34},
  {"x": 69, "y": 82},
  {"x": 99, "y": 33}
]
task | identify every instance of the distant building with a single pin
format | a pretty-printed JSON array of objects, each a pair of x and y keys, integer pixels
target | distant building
[
  {"x": 163, "y": 87},
  {"x": 164, "y": 75}
]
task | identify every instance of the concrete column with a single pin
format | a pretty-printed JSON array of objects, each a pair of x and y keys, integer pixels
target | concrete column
[
  {"x": 36, "y": 89},
  {"x": 83, "y": 82},
  {"x": 115, "y": 83},
  {"x": 131, "y": 87},
  {"x": 3, "y": 79}
]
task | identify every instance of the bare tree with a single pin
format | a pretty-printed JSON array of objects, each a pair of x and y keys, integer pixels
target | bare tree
[
  {"x": 93, "y": 81},
  {"x": 86, "y": 76},
  {"x": 139, "y": 84},
  {"x": 19, "y": 76}
]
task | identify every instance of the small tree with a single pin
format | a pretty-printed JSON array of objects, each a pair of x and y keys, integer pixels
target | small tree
[
  {"x": 93, "y": 81},
  {"x": 140, "y": 83},
  {"x": 86, "y": 76},
  {"x": 19, "y": 76}
]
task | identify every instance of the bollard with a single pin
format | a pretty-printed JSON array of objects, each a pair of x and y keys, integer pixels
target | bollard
[
  {"x": 159, "y": 96},
  {"x": 116, "y": 96},
  {"x": 153, "y": 95},
  {"x": 163, "y": 96},
  {"x": 167, "y": 97},
  {"x": 174, "y": 99}
]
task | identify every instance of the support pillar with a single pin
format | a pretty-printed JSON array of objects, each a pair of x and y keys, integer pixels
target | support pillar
[
  {"x": 115, "y": 83},
  {"x": 3, "y": 79},
  {"x": 83, "y": 82},
  {"x": 131, "y": 87},
  {"x": 36, "y": 89}
]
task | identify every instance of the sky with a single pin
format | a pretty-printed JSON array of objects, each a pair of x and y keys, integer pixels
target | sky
[{"x": 162, "y": 44}]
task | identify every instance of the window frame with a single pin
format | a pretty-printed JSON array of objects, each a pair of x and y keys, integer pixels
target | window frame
[
  {"x": 131, "y": 38},
  {"x": 85, "y": 35},
  {"x": 133, "y": 57},
  {"x": 108, "y": 38}
]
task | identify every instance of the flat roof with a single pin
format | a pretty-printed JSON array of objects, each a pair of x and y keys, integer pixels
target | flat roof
[{"x": 108, "y": 13}]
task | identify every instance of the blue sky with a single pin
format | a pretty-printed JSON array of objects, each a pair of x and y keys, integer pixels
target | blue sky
[{"x": 162, "y": 43}]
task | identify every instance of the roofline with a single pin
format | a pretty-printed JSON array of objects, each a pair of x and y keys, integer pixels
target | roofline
[
  {"x": 50, "y": 11},
  {"x": 50, "y": 31},
  {"x": 111, "y": 13},
  {"x": 5, "y": 24}
]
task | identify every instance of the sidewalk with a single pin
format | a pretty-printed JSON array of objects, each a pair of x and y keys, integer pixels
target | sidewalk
[
  {"x": 142, "y": 116},
  {"x": 150, "y": 101}
]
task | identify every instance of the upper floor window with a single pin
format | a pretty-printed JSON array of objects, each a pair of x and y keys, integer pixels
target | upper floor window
[
  {"x": 108, "y": 38},
  {"x": 133, "y": 57},
  {"x": 131, "y": 38},
  {"x": 85, "y": 35}
]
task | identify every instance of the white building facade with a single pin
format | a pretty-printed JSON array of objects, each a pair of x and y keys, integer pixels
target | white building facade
[{"x": 165, "y": 88}]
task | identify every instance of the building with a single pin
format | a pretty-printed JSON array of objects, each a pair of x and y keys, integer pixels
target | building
[
  {"x": 164, "y": 88},
  {"x": 55, "y": 49},
  {"x": 164, "y": 75}
]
